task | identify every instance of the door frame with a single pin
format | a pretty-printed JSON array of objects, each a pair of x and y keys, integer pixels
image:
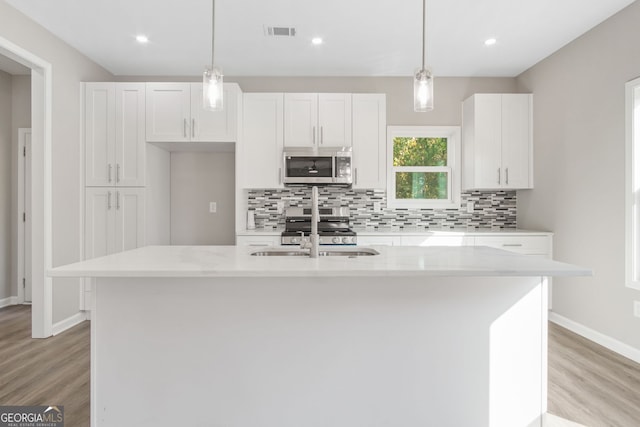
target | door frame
[
  {"x": 23, "y": 244},
  {"x": 41, "y": 190}
]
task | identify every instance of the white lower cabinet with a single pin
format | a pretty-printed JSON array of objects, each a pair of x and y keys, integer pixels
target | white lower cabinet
[
  {"x": 268, "y": 240},
  {"x": 114, "y": 220},
  {"x": 365, "y": 240},
  {"x": 527, "y": 245},
  {"x": 431, "y": 240}
]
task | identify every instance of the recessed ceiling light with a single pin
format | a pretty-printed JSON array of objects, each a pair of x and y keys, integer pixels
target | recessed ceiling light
[
  {"x": 316, "y": 40},
  {"x": 142, "y": 39},
  {"x": 490, "y": 42}
]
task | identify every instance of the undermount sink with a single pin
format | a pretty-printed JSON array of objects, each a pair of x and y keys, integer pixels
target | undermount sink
[{"x": 348, "y": 252}]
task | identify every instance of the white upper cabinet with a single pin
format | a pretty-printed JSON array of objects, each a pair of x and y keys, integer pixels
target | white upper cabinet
[
  {"x": 317, "y": 119},
  {"x": 115, "y": 134},
  {"x": 175, "y": 114},
  {"x": 369, "y": 127},
  {"x": 259, "y": 157},
  {"x": 498, "y": 141}
]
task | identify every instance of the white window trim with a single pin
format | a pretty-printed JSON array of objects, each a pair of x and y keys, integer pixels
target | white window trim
[
  {"x": 632, "y": 185},
  {"x": 452, "y": 133}
]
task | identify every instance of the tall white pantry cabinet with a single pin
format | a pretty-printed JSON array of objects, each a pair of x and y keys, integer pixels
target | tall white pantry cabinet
[{"x": 114, "y": 167}]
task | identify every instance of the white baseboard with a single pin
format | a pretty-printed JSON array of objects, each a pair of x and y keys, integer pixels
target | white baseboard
[
  {"x": 6, "y": 302},
  {"x": 597, "y": 337},
  {"x": 68, "y": 323}
]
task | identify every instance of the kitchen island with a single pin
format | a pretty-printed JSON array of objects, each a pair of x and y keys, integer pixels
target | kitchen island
[{"x": 414, "y": 336}]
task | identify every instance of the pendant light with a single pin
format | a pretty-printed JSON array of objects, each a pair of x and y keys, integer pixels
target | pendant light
[
  {"x": 212, "y": 90},
  {"x": 423, "y": 79}
]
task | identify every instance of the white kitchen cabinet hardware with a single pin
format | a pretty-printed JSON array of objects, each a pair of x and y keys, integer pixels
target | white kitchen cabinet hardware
[
  {"x": 497, "y": 144},
  {"x": 175, "y": 114},
  {"x": 369, "y": 133},
  {"x": 114, "y": 134},
  {"x": 114, "y": 220},
  {"x": 259, "y": 157},
  {"x": 317, "y": 119}
]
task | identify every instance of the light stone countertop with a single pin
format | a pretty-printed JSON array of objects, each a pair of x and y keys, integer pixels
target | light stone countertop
[{"x": 393, "y": 261}]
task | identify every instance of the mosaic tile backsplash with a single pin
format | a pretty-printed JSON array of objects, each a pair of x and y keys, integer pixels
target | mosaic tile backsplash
[{"x": 492, "y": 209}]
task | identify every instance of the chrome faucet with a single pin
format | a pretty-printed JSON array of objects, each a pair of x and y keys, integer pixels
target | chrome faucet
[
  {"x": 312, "y": 243},
  {"x": 315, "y": 218}
]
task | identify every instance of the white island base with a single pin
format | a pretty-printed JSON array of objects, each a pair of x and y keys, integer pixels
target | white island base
[{"x": 376, "y": 351}]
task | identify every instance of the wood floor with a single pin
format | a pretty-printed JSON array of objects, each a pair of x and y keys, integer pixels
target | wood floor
[{"x": 588, "y": 384}]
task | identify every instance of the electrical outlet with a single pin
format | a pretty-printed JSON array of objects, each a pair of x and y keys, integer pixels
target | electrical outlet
[
  {"x": 636, "y": 308},
  {"x": 213, "y": 207},
  {"x": 280, "y": 206},
  {"x": 470, "y": 206},
  {"x": 377, "y": 207}
]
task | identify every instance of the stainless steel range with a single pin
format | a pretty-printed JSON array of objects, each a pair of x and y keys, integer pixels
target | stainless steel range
[{"x": 333, "y": 227}]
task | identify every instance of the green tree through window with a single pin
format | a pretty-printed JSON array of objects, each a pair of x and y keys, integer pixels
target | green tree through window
[{"x": 420, "y": 152}]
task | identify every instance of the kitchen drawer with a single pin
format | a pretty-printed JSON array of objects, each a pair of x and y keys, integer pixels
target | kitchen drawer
[
  {"x": 528, "y": 245},
  {"x": 378, "y": 240},
  {"x": 433, "y": 240},
  {"x": 258, "y": 240}
]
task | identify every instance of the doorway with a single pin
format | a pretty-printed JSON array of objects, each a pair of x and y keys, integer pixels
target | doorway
[{"x": 41, "y": 203}]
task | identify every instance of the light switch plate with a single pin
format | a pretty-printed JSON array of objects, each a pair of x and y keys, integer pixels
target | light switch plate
[
  {"x": 280, "y": 207},
  {"x": 377, "y": 207},
  {"x": 213, "y": 207}
]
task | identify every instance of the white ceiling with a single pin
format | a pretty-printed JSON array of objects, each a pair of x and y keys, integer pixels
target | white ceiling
[{"x": 362, "y": 37}]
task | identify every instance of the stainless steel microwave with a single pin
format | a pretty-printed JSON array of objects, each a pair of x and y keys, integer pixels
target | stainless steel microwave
[{"x": 317, "y": 166}]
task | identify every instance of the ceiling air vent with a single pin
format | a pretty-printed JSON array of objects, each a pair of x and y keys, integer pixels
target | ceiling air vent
[{"x": 280, "y": 31}]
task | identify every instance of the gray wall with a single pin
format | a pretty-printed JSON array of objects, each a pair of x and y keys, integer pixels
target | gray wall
[
  {"x": 579, "y": 132},
  {"x": 70, "y": 68},
  {"x": 197, "y": 179},
  {"x": 5, "y": 185}
]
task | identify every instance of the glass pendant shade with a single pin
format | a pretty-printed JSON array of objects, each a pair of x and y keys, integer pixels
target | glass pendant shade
[
  {"x": 212, "y": 89},
  {"x": 423, "y": 90}
]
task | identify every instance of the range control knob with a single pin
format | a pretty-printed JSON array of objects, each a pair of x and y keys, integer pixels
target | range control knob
[
  {"x": 336, "y": 240},
  {"x": 346, "y": 240},
  {"x": 295, "y": 240}
]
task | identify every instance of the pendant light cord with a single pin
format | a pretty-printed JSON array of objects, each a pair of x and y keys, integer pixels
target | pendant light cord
[
  {"x": 424, "y": 31},
  {"x": 213, "y": 29}
]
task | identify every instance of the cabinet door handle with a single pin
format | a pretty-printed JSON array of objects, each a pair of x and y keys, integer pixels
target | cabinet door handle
[
  {"x": 498, "y": 175},
  {"x": 108, "y": 200},
  {"x": 184, "y": 127},
  {"x": 193, "y": 128},
  {"x": 280, "y": 176},
  {"x": 506, "y": 178},
  {"x": 109, "y": 169},
  {"x": 314, "y": 135},
  {"x": 355, "y": 178},
  {"x": 118, "y": 172},
  {"x": 515, "y": 245},
  {"x": 321, "y": 134},
  {"x": 117, "y": 200}
]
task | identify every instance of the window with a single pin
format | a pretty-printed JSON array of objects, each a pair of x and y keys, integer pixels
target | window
[
  {"x": 633, "y": 184},
  {"x": 422, "y": 170}
]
